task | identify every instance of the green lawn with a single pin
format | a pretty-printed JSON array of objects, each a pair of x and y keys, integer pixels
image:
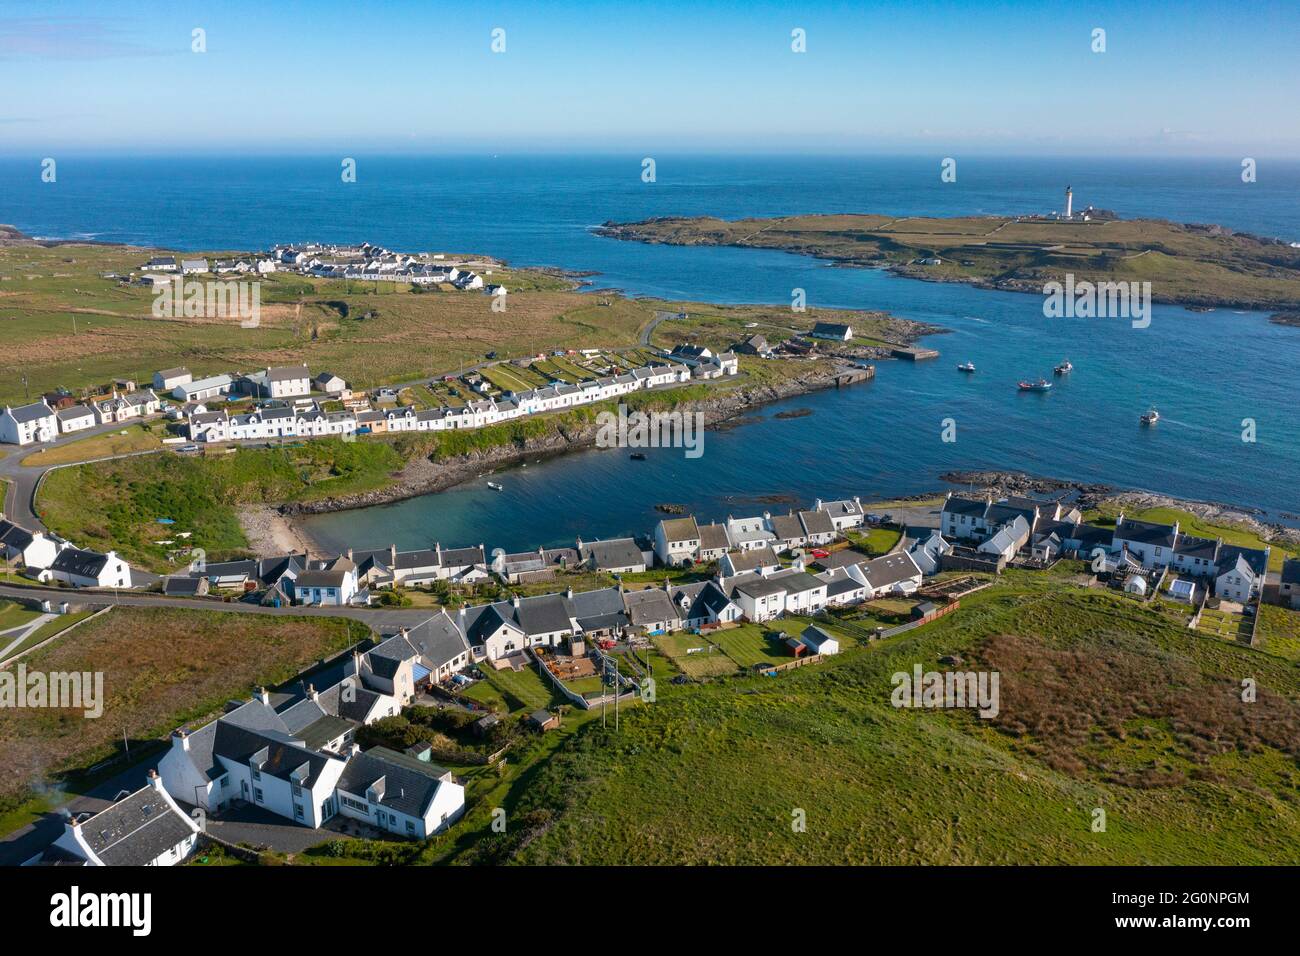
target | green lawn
[
  {"x": 752, "y": 644},
  {"x": 676, "y": 647},
  {"x": 13, "y": 614},
  {"x": 522, "y": 690}
]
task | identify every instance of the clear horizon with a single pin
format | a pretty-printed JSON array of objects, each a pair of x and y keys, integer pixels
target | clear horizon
[{"x": 1198, "y": 80}]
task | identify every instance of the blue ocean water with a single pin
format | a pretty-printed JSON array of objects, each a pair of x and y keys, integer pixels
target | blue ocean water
[{"x": 1206, "y": 372}]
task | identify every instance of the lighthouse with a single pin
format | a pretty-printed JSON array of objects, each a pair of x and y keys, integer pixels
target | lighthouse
[{"x": 1069, "y": 203}]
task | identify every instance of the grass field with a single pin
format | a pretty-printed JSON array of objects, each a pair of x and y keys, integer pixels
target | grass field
[
  {"x": 13, "y": 614},
  {"x": 752, "y": 644},
  {"x": 522, "y": 690},
  {"x": 1279, "y": 632},
  {"x": 676, "y": 647},
  {"x": 126, "y": 440},
  {"x": 161, "y": 667},
  {"x": 1104, "y": 703}
]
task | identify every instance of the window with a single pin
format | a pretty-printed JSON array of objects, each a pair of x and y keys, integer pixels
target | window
[
  {"x": 297, "y": 790},
  {"x": 257, "y": 774},
  {"x": 297, "y": 812},
  {"x": 410, "y": 827},
  {"x": 257, "y": 794}
]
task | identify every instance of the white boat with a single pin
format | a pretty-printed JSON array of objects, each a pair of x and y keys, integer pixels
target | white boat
[
  {"x": 1151, "y": 417},
  {"x": 1064, "y": 368},
  {"x": 494, "y": 486},
  {"x": 966, "y": 367}
]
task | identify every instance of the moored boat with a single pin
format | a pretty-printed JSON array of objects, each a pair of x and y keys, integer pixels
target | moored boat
[{"x": 494, "y": 486}]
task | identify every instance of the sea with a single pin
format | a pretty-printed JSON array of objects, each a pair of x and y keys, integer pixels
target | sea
[{"x": 1217, "y": 378}]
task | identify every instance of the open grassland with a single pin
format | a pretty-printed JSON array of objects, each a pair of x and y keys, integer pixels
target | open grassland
[
  {"x": 161, "y": 667},
  {"x": 1195, "y": 265},
  {"x": 1105, "y": 703},
  {"x": 67, "y": 326}
]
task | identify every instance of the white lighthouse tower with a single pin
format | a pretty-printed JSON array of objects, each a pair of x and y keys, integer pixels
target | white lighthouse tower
[{"x": 1069, "y": 203}]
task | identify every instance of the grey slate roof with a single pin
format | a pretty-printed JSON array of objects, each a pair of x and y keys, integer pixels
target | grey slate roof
[
  {"x": 136, "y": 830},
  {"x": 614, "y": 553},
  {"x": 545, "y": 613},
  {"x": 409, "y": 785},
  {"x": 31, "y": 413},
  {"x": 649, "y": 606},
  {"x": 81, "y": 563}
]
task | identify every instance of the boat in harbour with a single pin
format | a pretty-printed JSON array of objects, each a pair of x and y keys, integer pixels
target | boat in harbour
[
  {"x": 1042, "y": 385},
  {"x": 966, "y": 367},
  {"x": 1064, "y": 368},
  {"x": 1151, "y": 417}
]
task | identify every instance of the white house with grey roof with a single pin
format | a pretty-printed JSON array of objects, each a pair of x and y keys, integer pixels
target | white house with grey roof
[
  {"x": 844, "y": 513},
  {"x": 81, "y": 568},
  {"x": 616, "y": 555},
  {"x": 677, "y": 541},
  {"x": 75, "y": 418},
  {"x": 400, "y": 793},
  {"x": 145, "y": 828},
  {"x": 28, "y": 424},
  {"x": 35, "y": 549}
]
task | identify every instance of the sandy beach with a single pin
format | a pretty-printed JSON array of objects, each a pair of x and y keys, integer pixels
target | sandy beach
[{"x": 270, "y": 532}]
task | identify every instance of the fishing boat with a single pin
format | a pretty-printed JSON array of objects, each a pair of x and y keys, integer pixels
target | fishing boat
[
  {"x": 1064, "y": 368},
  {"x": 966, "y": 367},
  {"x": 494, "y": 486},
  {"x": 1151, "y": 417},
  {"x": 1042, "y": 385}
]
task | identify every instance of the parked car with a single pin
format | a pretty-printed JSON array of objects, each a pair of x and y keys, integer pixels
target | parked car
[{"x": 820, "y": 553}]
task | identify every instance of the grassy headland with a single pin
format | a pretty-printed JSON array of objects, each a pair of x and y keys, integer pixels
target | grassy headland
[{"x": 1187, "y": 264}]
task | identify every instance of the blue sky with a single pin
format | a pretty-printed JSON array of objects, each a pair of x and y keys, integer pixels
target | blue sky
[{"x": 1175, "y": 79}]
